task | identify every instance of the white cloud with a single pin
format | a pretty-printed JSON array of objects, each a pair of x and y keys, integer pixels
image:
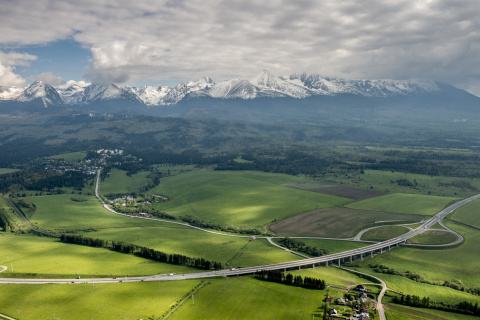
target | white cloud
[
  {"x": 8, "y": 78},
  {"x": 170, "y": 40},
  {"x": 48, "y": 77},
  {"x": 16, "y": 58}
]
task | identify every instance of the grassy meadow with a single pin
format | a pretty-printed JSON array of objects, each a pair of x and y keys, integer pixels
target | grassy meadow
[
  {"x": 399, "y": 312},
  {"x": 468, "y": 214},
  {"x": 248, "y": 298},
  {"x": 49, "y": 257},
  {"x": 7, "y": 170},
  {"x": 384, "y": 233},
  {"x": 71, "y": 156},
  {"x": 420, "y": 183},
  {"x": 404, "y": 203},
  {"x": 444, "y": 264},
  {"x": 139, "y": 300},
  {"x": 117, "y": 181},
  {"x": 238, "y": 198},
  {"x": 60, "y": 212},
  {"x": 433, "y": 237},
  {"x": 338, "y": 222},
  {"x": 170, "y": 238},
  {"x": 15, "y": 222}
]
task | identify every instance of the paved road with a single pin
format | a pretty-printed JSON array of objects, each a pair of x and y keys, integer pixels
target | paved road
[
  {"x": 381, "y": 312},
  {"x": 365, "y": 251}
]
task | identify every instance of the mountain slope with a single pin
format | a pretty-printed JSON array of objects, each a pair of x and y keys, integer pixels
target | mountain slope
[{"x": 39, "y": 91}]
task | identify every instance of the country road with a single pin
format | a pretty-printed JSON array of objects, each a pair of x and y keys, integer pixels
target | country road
[{"x": 298, "y": 264}]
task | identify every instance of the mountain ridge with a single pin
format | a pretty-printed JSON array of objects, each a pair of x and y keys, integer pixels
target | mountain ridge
[{"x": 264, "y": 85}]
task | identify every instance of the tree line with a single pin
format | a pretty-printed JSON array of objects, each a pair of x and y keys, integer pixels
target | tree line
[
  {"x": 143, "y": 252},
  {"x": 463, "y": 307},
  {"x": 291, "y": 280},
  {"x": 300, "y": 246},
  {"x": 41, "y": 179},
  {"x": 454, "y": 283}
]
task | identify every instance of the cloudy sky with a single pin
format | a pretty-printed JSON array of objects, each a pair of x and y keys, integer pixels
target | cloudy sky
[{"x": 170, "y": 41}]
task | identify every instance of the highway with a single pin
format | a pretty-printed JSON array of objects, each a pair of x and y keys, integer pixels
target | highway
[{"x": 336, "y": 258}]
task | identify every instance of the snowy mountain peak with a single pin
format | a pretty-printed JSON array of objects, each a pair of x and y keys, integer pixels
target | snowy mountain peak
[
  {"x": 42, "y": 91},
  {"x": 97, "y": 92}
]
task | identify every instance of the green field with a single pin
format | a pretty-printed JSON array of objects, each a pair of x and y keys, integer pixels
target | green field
[
  {"x": 15, "y": 222},
  {"x": 384, "y": 233},
  {"x": 421, "y": 184},
  {"x": 404, "y": 203},
  {"x": 139, "y": 300},
  {"x": 60, "y": 212},
  {"x": 49, "y": 256},
  {"x": 332, "y": 276},
  {"x": 338, "y": 222},
  {"x": 433, "y": 237},
  {"x": 437, "y": 293},
  {"x": 117, "y": 181},
  {"x": 399, "y": 312},
  {"x": 438, "y": 265},
  {"x": 71, "y": 156},
  {"x": 7, "y": 170},
  {"x": 247, "y": 298},
  {"x": 238, "y": 198},
  {"x": 468, "y": 214},
  {"x": 194, "y": 243}
]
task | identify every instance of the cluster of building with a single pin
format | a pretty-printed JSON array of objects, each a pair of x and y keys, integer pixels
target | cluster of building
[{"x": 62, "y": 166}]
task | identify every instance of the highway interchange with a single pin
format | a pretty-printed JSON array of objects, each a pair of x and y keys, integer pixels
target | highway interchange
[{"x": 336, "y": 258}]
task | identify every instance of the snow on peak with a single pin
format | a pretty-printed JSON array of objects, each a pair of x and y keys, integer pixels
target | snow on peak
[{"x": 43, "y": 91}]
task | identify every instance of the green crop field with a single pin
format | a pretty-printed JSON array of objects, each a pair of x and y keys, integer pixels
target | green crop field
[
  {"x": 72, "y": 156},
  {"x": 332, "y": 276},
  {"x": 49, "y": 256},
  {"x": 398, "y": 312},
  {"x": 194, "y": 243},
  {"x": 384, "y": 233},
  {"x": 437, "y": 293},
  {"x": 338, "y": 222},
  {"x": 247, "y": 298},
  {"x": 15, "y": 222},
  {"x": 139, "y": 300},
  {"x": 404, "y": 203},
  {"x": 60, "y": 212},
  {"x": 118, "y": 182},
  {"x": 420, "y": 183},
  {"x": 433, "y": 237},
  {"x": 7, "y": 170},
  {"x": 238, "y": 198},
  {"x": 468, "y": 214},
  {"x": 438, "y": 265}
]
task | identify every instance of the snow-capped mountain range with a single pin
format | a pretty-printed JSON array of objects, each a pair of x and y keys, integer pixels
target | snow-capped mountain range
[{"x": 263, "y": 85}]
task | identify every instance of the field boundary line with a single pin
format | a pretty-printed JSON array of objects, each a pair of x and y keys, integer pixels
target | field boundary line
[{"x": 185, "y": 299}]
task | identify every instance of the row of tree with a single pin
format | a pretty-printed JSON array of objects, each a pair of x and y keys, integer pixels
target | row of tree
[
  {"x": 464, "y": 307},
  {"x": 289, "y": 279},
  {"x": 143, "y": 252},
  {"x": 454, "y": 283},
  {"x": 4, "y": 224},
  {"x": 300, "y": 246},
  {"x": 219, "y": 227},
  {"x": 41, "y": 179}
]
